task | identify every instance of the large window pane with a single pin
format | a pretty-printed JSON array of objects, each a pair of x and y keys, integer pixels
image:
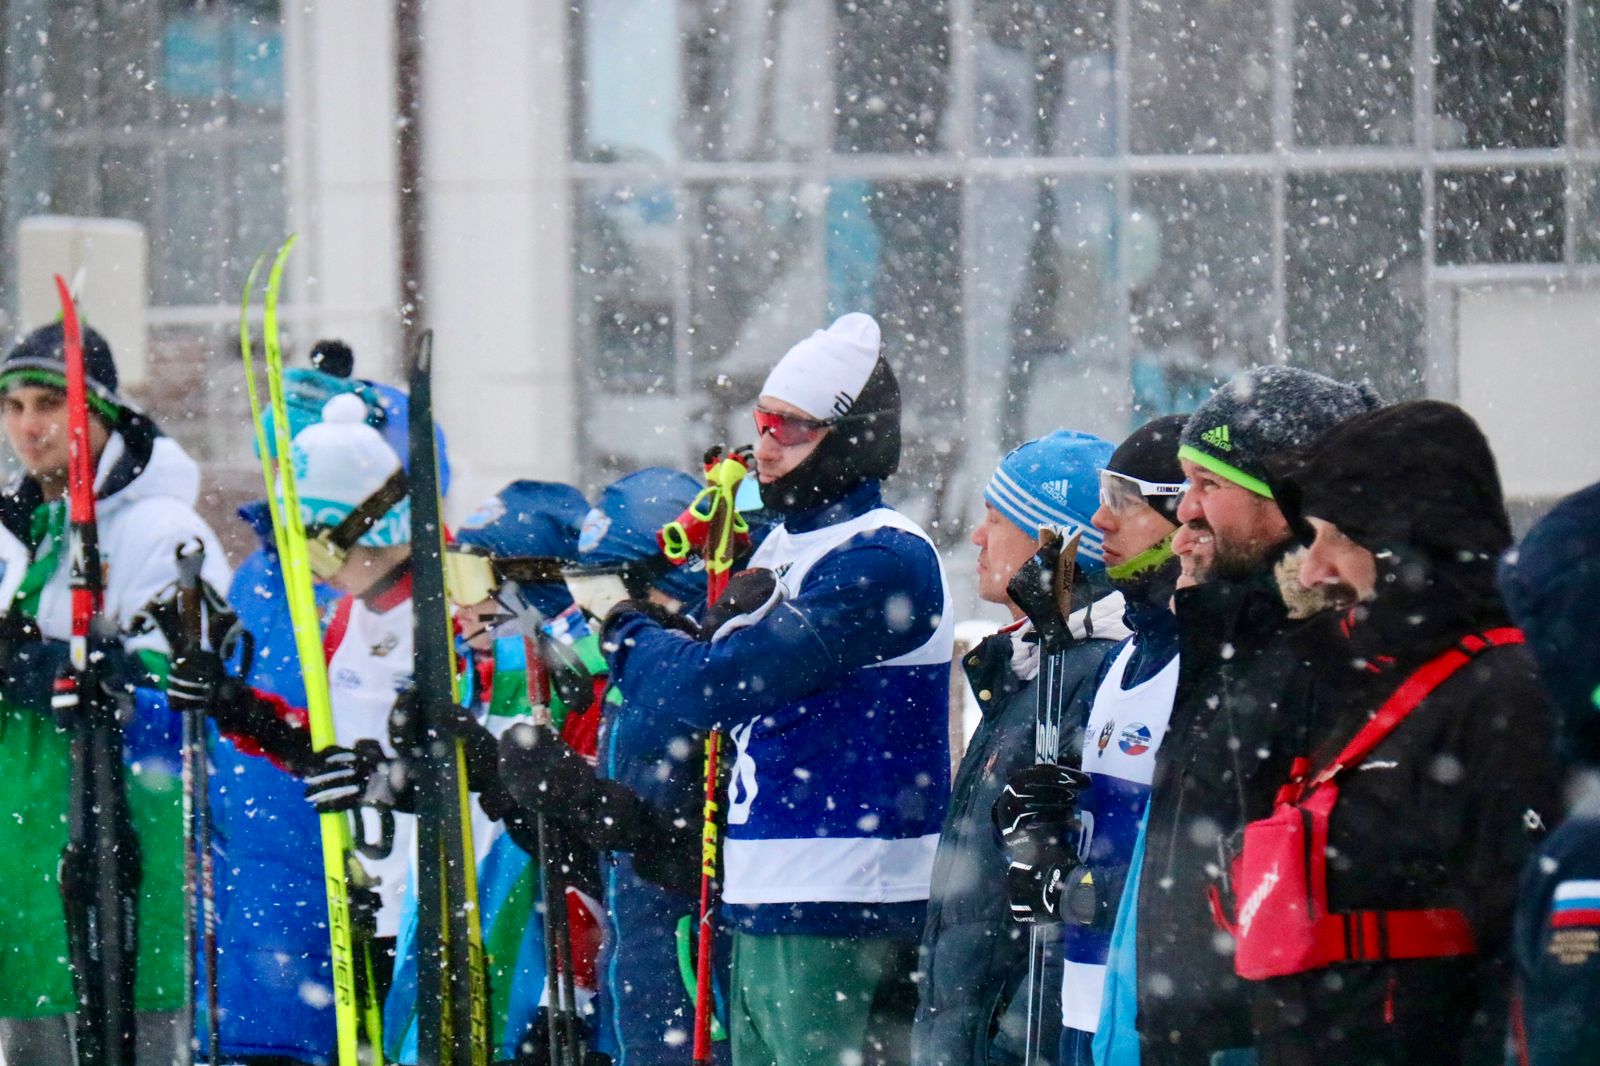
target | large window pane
[
  {"x": 1045, "y": 296},
  {"x": 222, "y": 61},
  {"x": 128, "y": 187},
  {"x": 257, "y": 196},
  {"x": 1045, "y": 79},
  {"x": 1201, "y": 285},
  {"x": 1498, "y": 78},
  {"x": 625, "y": 102},
  {"x": 1201, "y": 73},
  {"x": 756, "y": 261},
  {"x": 190, "y": 249},
  {"x": 1352, "y": 67},
  {"x": 894, "y": 250},
  {"x": 1499, "y": 216},
  {"x": 1586, "y": 226},
  {"x": 891, "y": 74},
  {"x": 1586, "y": 72},
  {"x": 129, "y": 61},
  {"x": 72, "y": 78},
  {"x": 755, "y": 79},
  {"x": 1355, "y": 278},
  {"x": 625, "y": 246}
]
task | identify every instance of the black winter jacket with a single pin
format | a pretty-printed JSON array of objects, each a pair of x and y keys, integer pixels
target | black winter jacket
[
  {"x": 974, "y": 958},
  {"x": 1237, "y": 723},
  {"x": 1443, "y": 813}
]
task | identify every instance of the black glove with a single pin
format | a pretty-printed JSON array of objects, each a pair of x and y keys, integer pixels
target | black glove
[
  {"x": 337, "y": 778},
  {"x": 1040, "y": 801},
  {"x": 410, "y": 732},
  {"x": 540, "y": 771},
  {"x": 1034, "y": 892},
  {"x": 661, "y": 616},
  {"x": 196, "y": 683},
  {"x": 33, "y": 667},
  {"x": 16, "y": 630},
  {"x": 748, "y": 593}
]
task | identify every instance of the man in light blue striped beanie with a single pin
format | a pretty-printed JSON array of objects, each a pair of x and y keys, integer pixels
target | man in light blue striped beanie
[{"x": 1054, "y": 481}]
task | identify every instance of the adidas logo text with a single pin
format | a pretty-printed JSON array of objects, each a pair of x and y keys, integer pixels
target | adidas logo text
[{"x": 1218, "y": 437}]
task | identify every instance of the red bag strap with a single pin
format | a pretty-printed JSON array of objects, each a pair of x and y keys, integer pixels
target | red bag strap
[{"x": 1412, "y": 691}]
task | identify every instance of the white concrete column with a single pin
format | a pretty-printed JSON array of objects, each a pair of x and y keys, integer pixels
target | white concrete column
[
  {"x": 499, "y": 256},
  {"x": 340, "y": 88}
]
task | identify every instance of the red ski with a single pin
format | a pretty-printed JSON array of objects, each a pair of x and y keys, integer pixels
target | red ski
[{"x": 100, "y": 868}]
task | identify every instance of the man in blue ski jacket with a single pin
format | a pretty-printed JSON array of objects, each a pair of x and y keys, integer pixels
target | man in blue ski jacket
[
  {"x": 642, "y": 810},
  {"x": 835, "y": 693},
  {"x": 272, "y": 936},
  {"x": 1551, "y": 583}
]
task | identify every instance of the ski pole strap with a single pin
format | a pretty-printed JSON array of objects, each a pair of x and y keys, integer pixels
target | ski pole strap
[
  {"x": 1412, "y": 691},
  {"x": 723, "y": 478},
  {"x": 684, "y": 935}
]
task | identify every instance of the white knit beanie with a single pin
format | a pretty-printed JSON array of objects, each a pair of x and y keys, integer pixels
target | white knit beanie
[
  {"x": 823, "y": 374},
  {"x": 340, "y": 462}
]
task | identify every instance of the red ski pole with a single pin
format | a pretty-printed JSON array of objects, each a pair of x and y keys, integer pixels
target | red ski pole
[{"x": 723, "y": 526}]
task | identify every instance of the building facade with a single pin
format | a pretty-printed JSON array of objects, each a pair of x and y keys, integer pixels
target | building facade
[{"x": 1075, "y": 214}]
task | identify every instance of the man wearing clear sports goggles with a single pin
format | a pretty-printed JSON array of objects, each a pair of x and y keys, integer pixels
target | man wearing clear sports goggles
[{"x": 1123, "y": 494}]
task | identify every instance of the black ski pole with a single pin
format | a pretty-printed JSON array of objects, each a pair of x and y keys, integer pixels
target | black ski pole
[
  {"x": 198, "y": 884},
  {"x": 1042, "y": 589}
]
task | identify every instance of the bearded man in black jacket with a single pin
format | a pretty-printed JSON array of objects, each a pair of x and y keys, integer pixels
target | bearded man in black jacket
[{"x": 1241, "y": 701}]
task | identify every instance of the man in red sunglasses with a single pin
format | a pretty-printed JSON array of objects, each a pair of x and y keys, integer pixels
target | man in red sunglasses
[{"x": 834, "y": 691}]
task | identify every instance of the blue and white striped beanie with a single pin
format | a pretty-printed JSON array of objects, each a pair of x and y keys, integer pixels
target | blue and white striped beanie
[{"x": 1054, "y": 481}]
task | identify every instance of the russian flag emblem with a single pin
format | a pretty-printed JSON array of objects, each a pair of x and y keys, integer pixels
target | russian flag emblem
[{"x": 1575, "y": 903}]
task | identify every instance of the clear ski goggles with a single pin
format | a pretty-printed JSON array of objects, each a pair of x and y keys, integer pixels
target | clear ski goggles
[
  {"x": 788, "y": 430},
  {"x": 1123, "y": 495},
  {"x": 470, "y": 577}
]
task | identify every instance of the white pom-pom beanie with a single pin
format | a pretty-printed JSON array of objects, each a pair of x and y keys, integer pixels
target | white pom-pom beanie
[{"x": 340, "y": 462}]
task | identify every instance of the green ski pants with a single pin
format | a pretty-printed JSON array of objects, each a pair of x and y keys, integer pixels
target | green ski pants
[{"x": 803, "y": 1000}]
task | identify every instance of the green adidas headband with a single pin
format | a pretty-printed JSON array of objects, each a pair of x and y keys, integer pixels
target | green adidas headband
[
  {"x": 52, "y": 379},
  {"x": 1227, "y": 470}
]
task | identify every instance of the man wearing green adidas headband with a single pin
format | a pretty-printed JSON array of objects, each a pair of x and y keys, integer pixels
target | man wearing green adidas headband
[
  {"x": 1240, "y": 699},
  {"x": 146, "y": 488}
]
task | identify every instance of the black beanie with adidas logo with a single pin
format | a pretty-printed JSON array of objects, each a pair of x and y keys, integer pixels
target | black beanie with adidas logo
[{"x": 1263, "y": 412}]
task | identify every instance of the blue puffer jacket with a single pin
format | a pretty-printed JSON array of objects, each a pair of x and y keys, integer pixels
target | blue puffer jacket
[
  {"x": 646, "y": 1009},
  {"x": 272, "y": 933}
]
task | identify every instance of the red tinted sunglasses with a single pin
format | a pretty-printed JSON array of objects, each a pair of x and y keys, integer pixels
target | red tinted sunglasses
[{"x": 788, "y": 430}]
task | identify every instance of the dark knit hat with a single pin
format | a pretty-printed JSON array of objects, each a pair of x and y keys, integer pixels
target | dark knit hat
[
  {"x": 1151, "y": 454},
  {"x": 1417, "y": 474},
  {"x": 1263, "y": 412},
  {"x": 40, "y": 359}
]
